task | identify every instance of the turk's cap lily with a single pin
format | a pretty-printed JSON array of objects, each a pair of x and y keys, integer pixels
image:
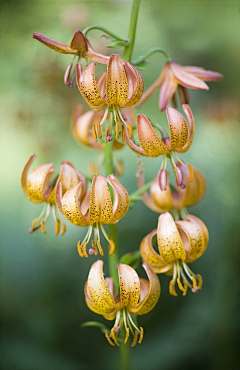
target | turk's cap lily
[
  {"x": 137, "y": 296},
  {"x": 163, "y": 199},
  {"x": 78, "y": 45},
  {"x": 122, "y": 85},
  {"x": 178, "y": 243},
  {"x": 176, "y": 77},
  {"x": 179, "y": 140}
]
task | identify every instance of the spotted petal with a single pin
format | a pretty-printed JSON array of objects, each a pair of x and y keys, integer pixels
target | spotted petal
[
  {"x": 178, "y": 128},
  {"x": 97, "y": 290},
  {"x": 129, "y": 286},
  {"x": 121, "y": 199},
  {"x": 135, "y": 84},
  {"x": 150, "y": 293},
  {"x": 79, "y": 42},
  {"x": 170, "y": 244},
  {"x": 100, "y": 209},
  {"x": 202, "y": 226},
  {"x": 191, "y": 130},
  {"x": 162, "y": 199},
  {"x": 193, "y": 239},
  {"x": 116, "y": 82},
  {"x": 149, "y": 140}
]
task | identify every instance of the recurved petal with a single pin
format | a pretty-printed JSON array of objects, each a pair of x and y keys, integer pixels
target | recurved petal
[
  {"x": 187, "y": 79},
  {"x": 191, "y": 130},
  {"x": 149, "y": 140},
  {"x": 150, "y": 256},
  {"x": 170, "y": 244},
  {"x": 202, "y": 226},
  {"x": 129, "y": 286},
  {"x": 178, "y": 128},
  {"x": 168, "y": 87},
  {"x": 163, "y": 199},
  {"x": 192, "y": 238},
  {"x": 202, "y": 73},
  {"x": 97, "y": 289},
  {"x": 150, "y": 293},
  {"x": 70, "y": 206},
  {"x": 135, "y": 148},
  {"x": 116, "y": 82},
  {"x": 135, "y": 84},
  {"x": 53, "y": 44},
  {"x": 87, "y": 86},
  {"x": 79, "y": 42},
  {"x": 121, "y": 199},
  {"x": 101, "y": 208}
]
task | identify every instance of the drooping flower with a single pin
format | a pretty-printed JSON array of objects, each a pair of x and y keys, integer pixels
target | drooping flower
[
  {"x": 163, "y": 198},
  {"x": 121, "y": 86},
  {"x": 94, "y": 210},
  {"x": 79, "y": 47},
  {"x": 40, "y": 186},
  {"x": 179, "y": 141},
  {"x": 176, "y": 77},
  {"x": 179, "y": 243},
  {"x": 137, "y": 296}
]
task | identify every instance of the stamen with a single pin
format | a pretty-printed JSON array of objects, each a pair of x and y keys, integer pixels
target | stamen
[
  {"x": 42, "y": 223},
  {"x": 109, "y": 339},
  {"x": 191, "y": 173},
  {"x": 94, "y": 135},
  {"x": 200, "y": 281},
  {"x": 185, "y": 287},
  {"x": 84, "y": 249},
  {"x": 100, "y": 248},
  {"x": 111, "y": 246},
  {"x": 106, "y": 134},
  {"x": 34, "y": 223},
  {"x": 80, "y": 250},
  {"x": 141, "y": 335},
  {"x": 179, "y": 176},
  {"x": 104, "y": 117},
  {"x": 117, "y": 129},
  {"x": 135, "y": 338},
  {"x": 172, "y": 290},
  {"x": 129, "y": 130},
  {"x": 57, "y": 224},
  {"x": 123, "y": 134},
  {"x": 63, "y": 228},
  {"x": 114, "y": 337},
  {"x": 126, "y": 336},
  {"x": 180, "y": 286},
  {"x": 99, "y": 130}
]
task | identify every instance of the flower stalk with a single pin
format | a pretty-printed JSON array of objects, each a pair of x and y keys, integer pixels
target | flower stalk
[{"x": 132, "y": 30}]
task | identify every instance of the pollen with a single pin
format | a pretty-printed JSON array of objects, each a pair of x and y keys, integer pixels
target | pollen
[
  {"x": 191, "y": 173},
  {"x": 80, "y": 250},
  {"x": 117, "y": 129},
  {"x": 111, "y": 246},
  {"x": 123, "y": 134},
  {"x": 100, "y": 248},
  {"x": 63, "y": 228},
  {"x": 129, "y": 130},
  {"x": 135, "y": 338},
  {"x": 99, "y": 130},
  {"x": 43, "y": 228},
  {"x": 141, "y": 335},
  {"x": 109, "y": 339},
  {"x": 57, "y": 224},
  {"x": 113, "y": 334},
  {"x": 126, "y": 336},
  {"x": 94, "y": 134}
]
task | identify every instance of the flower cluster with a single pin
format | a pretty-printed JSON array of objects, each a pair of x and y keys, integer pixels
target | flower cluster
[{"x": 180, "y": 238}]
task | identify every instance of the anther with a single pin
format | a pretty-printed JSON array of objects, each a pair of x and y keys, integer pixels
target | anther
[
  {"x": 117, "y": 129},
  {"x": 185, "y": 287},
  {"x": 100, "y": 248},
  {"x": 194, "y": 281},
  {"x": 129, "y": 130},
  {"x": 94, "y": 135},
  {"x": 80, "y": 250},
  {"x": 63, "y": 228},
  {"x": 200, "y": 281},
  {"x": 43, "y": 228},
  {"x": 114, "y": 337},
  {"x": 99, "y": 130},
  {"x": 34, "y": 222},
  {"x": 108, "y": 339},
  {"x": 111, "y": 246},
  {"x": 191, "y": 173},
  {"x": 123, "y": 134},
  {"x": 84, "y": 249},
  {"x": 172, "y": 290},
  {"x": 135, "y": 338},
  {"x": 141, "y": 335},
  {"x": 180, "y": 286},
  {"x": 57, "y": 227},
  {"x": 126, "y": 336}
]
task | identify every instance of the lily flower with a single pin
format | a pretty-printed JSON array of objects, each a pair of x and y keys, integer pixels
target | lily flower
[
  {"x": 179, "y": 141},
  {"x": 162, "y": 199},
  {"x": 94, "y": 210},
  {"x": 176, "y": 77},
  {"x": 39, "y": 186},
  {"x": 79, "y": 47},
  {"x": 121, "y": 86},
  {"x": 179, "y": 243},
  {"x": 137, "y": 296}
]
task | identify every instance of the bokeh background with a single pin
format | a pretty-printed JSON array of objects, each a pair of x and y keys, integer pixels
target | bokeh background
[{"x": 42, "y": 277}]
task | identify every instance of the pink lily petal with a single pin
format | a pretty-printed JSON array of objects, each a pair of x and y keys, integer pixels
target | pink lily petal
[
  {"x": 53, "y": 44},
  {"x": 187, "y": 79}
]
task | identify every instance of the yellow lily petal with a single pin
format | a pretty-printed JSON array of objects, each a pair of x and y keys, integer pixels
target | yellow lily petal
[
  {"x": 100, "y": 209},
  {"x": 116, "y": 82},
  {"x": 79, "y": 42},
  {"x": 70, "y": 205},
  {"x": 163, "y": 199},
  {"x": 178, "y": 128},
  {"x": 98, "y": 290},
  {"x": 129, "y": 286},
  {"x": 150, "y": 293},
  {"x": 121, "y": 199},
  {"x": 149, "y": 140},
  {"x": 53, "y": 44},
  {"x": 202, "y": 226},
  {"x": 170, "y": 244},
  {"x": 135, "y": 84},
  {"x": 87, "y": 86},
  {"x": 191, "y": 130},
  {"x": 151, "y": 256},
  {"x": 193, "y": 239},
  {"x": 24, "y": 177}
]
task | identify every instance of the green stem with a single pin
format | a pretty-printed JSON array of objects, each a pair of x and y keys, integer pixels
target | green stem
[
  {"x": 151, "y": 52},
  {"x": 134, "y": 197},
  {"x": 125, "y": 354},
  {"x": 103, "y": 29},
  {"x": 132, "y": 30},
  {"x": 113, "y": 259}
]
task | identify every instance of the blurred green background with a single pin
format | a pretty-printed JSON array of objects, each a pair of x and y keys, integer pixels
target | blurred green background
[{"x": 42, "y": 277}]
